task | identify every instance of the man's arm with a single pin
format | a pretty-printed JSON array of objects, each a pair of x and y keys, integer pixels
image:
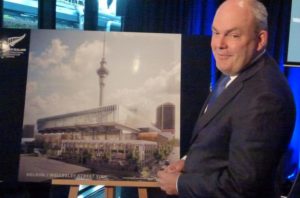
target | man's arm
[{"x": 259, "y": 135}]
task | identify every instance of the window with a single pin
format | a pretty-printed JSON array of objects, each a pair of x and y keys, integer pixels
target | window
[
  {"x": 20, "y": 13},
  {"x": 107, "y": 18},
  {"x": 69, "y": 14}
]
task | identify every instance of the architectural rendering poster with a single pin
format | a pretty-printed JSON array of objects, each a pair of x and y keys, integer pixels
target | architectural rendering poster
[{"x": 100, "y": 105}]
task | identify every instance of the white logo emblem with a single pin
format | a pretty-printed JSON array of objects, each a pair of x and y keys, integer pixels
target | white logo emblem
[{"x": 7, "y": 49}]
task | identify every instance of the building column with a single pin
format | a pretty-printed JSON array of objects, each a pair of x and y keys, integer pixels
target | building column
[
  {"x": 1, "y": 13},
  {"x": 91, "y": 15},
  {"x": 46, "y": 14}
]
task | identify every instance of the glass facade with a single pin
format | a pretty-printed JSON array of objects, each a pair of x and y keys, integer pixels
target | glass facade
[
  {"x": 107, "y": 16},
  {"x": 20, "y": 13},
  {"x": 69, "y": 14}
]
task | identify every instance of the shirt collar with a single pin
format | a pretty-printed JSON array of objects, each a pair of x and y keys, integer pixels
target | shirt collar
[{"x": 258, "y": 56}]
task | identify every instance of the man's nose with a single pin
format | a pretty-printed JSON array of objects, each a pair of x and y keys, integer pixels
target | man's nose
[{"x": 221, "y": 42}]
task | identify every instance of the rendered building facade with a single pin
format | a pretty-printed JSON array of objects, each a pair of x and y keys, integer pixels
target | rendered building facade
[{"x": 108, "y": 133}]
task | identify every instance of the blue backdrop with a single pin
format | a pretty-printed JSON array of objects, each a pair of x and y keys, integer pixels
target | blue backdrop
[
  {"x": 279, "y": 17},
  {"x": 194, "y": 17}
]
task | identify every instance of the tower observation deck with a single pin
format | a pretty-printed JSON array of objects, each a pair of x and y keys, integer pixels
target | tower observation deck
[{"x": 102, "y": 73}]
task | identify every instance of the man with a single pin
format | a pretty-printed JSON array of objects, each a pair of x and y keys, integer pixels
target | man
[{"x": 239, "y": 139}]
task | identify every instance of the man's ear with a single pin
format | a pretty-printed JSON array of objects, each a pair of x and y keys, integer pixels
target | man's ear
[{"x": 262, "y": 40}]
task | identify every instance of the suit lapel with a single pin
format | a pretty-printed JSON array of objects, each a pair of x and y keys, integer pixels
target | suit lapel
[
  {"x": 227, "y": 95},
  {"x": 220, "y": 103}
]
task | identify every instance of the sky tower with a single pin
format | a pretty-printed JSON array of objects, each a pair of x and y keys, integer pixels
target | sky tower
[{"x": 102, "y": 73}]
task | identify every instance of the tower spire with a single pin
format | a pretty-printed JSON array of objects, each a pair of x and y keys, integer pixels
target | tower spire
[{"x": 102, "y": 72}]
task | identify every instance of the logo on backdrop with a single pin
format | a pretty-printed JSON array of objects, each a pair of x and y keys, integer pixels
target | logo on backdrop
[{"x": 8, "y": 49}]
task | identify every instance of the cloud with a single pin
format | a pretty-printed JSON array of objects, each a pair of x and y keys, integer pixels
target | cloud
[
  {"x": 58, "y": 80},
  {"x": 61, "y": 63},
  {"x": 39, "y": 106},
  {"x": 166, "y": 82},
  {"x": 52, "y": 56},
  {"x": 87, "y": 56},
  {"x": 165, "y": 87}
]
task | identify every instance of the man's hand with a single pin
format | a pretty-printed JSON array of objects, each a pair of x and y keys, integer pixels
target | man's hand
[
  {"x": 168, "y": 177},
  {"x": 167, "y": 181},
  {"x": 175, "y": 166}
]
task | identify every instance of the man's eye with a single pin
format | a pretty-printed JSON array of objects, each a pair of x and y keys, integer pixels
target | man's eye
[{"x": 235, "y": 35}]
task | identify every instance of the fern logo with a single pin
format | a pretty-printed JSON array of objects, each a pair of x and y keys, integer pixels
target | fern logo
[{"x": 8, "y": 49}]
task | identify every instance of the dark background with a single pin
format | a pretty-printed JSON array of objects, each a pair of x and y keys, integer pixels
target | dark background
[
  {"x": 193, "y": 19},
  {"x": 13, "y": 74}
]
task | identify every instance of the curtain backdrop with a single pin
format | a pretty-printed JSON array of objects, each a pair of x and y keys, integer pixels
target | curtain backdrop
[{"x": 194, "y": 17}]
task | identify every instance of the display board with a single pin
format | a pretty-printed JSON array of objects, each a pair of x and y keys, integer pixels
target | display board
[
  {"x": 99, "y": 105},
  {"x": 88, "y": 104}
]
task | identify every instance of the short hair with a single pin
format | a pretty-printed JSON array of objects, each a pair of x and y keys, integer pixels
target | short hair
[{"x": 260, "y": 14}]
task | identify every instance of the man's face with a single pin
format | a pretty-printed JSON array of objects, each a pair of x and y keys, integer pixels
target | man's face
[{"x": 234, "y": 41}]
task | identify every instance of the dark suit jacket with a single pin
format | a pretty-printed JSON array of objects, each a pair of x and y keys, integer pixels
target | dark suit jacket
[{"x": 237, "y": 144}]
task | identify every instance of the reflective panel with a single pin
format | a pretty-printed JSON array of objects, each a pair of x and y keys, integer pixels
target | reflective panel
[
  {"x": 69, "y": 14},
  {"x": 20, "y": 13},
  {"x": 107, "y": 17}
]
